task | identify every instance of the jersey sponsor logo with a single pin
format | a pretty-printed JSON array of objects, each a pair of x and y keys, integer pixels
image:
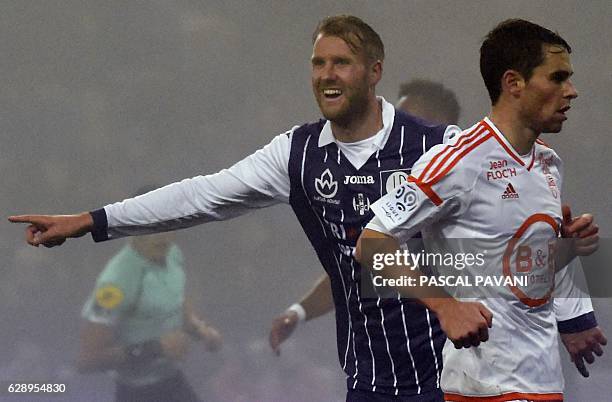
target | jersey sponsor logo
[
  {"x": 500, "y": 170},
  {"x": 531, "y": 256},
  {"x": 392, "y": 179},
  {"x": 347, "y": 250},
  {"x": 337, "y": 229},
  {"x": 510, "y": 192},
  {"x": 358, "y": 180},
  {"x": 498, "y": 164},
  {"x": 361, "y": 204},
  {"x": 109, "y": 297},
  {"x": 326, "y": 186}
]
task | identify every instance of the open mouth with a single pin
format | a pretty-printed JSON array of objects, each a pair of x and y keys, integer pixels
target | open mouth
[
  {"x": 332, "y": 93},
  {"x": 564, "y": 110}
]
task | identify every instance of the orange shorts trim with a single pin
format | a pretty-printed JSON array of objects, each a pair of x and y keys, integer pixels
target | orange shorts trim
[{"x": 511, "y": 396}]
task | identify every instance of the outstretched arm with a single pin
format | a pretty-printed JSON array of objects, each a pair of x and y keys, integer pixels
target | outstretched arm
[
  {"x": 53, "y": 230},
  {"x": 317, "y": 302},
  {"x": 257, "y": 181}
]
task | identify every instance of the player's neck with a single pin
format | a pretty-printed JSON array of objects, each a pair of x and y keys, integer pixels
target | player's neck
[
  {"x": 362, "y": 126},
  {"x": 518, "y": 134}
]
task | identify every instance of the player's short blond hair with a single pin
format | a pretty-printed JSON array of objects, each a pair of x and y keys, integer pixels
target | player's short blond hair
[{"x": 359, "y": 36}]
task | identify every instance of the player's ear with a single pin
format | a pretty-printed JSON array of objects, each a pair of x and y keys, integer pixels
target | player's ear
[
  {"x": 376, "y": 69},
  {"x": 512, "y": 83}
]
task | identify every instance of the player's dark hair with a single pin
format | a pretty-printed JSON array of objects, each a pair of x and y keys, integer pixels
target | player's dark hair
[
  {"x": 358, "y": 35},
  {"x": 514, "y": 44},
  {"x": 434, "y": 96}
]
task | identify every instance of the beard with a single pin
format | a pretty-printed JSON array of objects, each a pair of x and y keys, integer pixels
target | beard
[{"x": 354, "y": 104}]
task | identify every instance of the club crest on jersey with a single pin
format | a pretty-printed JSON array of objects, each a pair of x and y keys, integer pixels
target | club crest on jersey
[
  {"x": 358, "y": 180},
  {"x": 326, "y": 186},
  {"x": 392, "y": 179},
  {"x": 550, "y": 180},
  {"x": 361, "y": 204}
]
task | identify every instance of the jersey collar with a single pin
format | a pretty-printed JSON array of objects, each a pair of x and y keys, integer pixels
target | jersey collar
[
  {"x": 388, "y": 116},
  {"x": 523, "y": 160}
]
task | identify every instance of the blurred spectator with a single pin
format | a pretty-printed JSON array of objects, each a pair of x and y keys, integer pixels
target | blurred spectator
[{"x": 137, "y": 320}]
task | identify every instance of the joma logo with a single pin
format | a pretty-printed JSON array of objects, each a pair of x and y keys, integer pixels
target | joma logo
[{"x": 358, "y": 180}]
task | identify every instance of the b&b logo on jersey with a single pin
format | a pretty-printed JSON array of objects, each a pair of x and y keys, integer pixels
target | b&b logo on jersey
[{"x": 392, "y": 179}]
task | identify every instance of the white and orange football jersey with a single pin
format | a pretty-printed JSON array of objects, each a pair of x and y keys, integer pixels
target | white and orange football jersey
[{"x": 477, "y": 187}]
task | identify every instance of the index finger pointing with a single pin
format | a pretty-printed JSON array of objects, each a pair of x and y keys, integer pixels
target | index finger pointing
[{"x": 23, "y": 218}]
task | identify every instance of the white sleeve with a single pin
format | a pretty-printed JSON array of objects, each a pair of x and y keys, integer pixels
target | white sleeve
[
  {"x": 420, "y": 201},
  {"x": 259, "y": 180},
  {"x": 377, "y": 225},
  {"x": 570, "y": 300}
]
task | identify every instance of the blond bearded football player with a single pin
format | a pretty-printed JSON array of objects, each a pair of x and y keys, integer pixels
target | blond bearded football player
[
  {"x": 454, "y": 192},
  {"x": 576, "y": 323},
  {"x": 390, "y": 350}
]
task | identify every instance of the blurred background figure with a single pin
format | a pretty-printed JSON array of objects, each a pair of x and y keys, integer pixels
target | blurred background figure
[
  {"x": 137, "y": 322},
  {"x": 429, "y": 100}
]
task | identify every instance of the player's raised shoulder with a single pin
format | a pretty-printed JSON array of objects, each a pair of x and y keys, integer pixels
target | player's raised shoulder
[{"x": 466, "y": 149}]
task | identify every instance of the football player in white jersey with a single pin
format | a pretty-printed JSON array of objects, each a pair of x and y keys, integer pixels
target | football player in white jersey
[
  {"x": 498, "y": 181},
  {"x": 433, "y": 102}
]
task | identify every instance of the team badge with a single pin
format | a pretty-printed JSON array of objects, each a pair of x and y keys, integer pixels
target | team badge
[
  {"x": 326, "y": 186},
  {"x": 392, "y": 179},
  {"x": 361, "y": 204},
  {"x": 109, "y": 297},
  {"x": 546, "y": 163}
]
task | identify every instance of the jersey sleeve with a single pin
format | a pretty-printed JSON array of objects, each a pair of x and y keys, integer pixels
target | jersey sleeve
[
  {"x": 259, "y": 180},
  {"x": 572, "y": 305},
  {"x": 438, "y": 188},
  {"x": 115, "y": 293}
]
